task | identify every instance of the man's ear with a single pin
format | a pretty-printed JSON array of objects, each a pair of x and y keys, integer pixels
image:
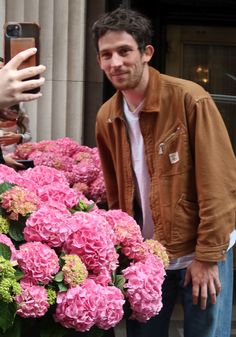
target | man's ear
[{"x": 148, "y": 53}]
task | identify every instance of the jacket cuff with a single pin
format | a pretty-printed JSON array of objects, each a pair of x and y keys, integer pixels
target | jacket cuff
[{"x": 211, "y": 254}]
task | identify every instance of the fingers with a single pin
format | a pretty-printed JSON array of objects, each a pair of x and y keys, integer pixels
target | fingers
[
  {"x": 200, "y": 293},
  {"x": 187, "y": 278},
  {"x": 27, "y": 97},
  {"x": 31, "y": 84},
  {"x": 203, "y": 301},
  {"x": 217, "y": 286},
  {"x": 195, "y": 293},
  {"x": 26, "y": 73},
  {"x": 16, "y": 61}
]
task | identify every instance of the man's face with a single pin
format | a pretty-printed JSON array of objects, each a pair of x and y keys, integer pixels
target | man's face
[{"x": 121, "y": 60}]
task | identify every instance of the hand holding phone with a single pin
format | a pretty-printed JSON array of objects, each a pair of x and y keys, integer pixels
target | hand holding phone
[
  {"x": 26, "y": 162},
  {"x": 19, "y": 36},
  {"x": 12, "y": 89}
]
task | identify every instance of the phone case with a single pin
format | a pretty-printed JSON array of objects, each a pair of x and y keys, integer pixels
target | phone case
[
  {"x": 19, "y": 36},
  {"x": 28, "y": 163}
]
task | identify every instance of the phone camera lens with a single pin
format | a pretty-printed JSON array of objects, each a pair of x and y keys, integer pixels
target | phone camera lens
[{"x": 13, "y": 30}]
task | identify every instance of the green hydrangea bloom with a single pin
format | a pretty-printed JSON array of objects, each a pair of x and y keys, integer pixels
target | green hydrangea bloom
[
  {"x": 52, "y": 295},
  {"x": 74, "y": 270},
  {"x": 9, "y": 287},
  {"x": 4, "y": 225}
]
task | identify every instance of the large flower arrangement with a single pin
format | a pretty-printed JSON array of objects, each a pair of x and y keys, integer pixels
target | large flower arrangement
[
  {"x": 80, "y": 164},
  {"x": 66, "y": 264}
]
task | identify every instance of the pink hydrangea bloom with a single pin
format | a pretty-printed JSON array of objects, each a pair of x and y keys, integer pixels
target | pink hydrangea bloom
[
  {"x": 111, "y": 311},
  {"x": 24, "y": 182},
  {"x": 7, "y": 174},
  {"x": 52, "y": 159},
  {"x": 79, "y": 163},
  {"x": 7, "y": 241},
  {"x": 81, "y": 188},
  {"x": 84, "y": 172},
  {"x": 23, "y": 151},
  {"x": 48, "y": 225},
  {"x": 136, "y": 251},
  {"x": 96, "y": 157},
  {"x": 59, "y": 193},
  {"x": 43, "y": 175},
  {"x": 126, "y": 229},
  {"x": 97, "y": 189},
  {"x": 67, "y": 146},
  {"x": 18, "y": 200},
  {"x": 82, "y": 153},
  {"x": 78, "y": 307},
  {"x": 38, "y": 261},
  {"x": 92, "y": 241},
  {"x": 32, "y": 302},
  {"x": 143, "y": 287},
  {"x": 103, "y": 278}
]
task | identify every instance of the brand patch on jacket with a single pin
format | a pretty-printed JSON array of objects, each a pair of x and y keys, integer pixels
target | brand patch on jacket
[{"x": 174, "y": 157}]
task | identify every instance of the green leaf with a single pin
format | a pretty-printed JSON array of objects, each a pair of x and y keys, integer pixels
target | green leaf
[
  {"x": 61, "y": 259},
  {"x": 7, "y": 315},
  {"x": 119, "y": 282},
  {"x": 2, "y": 211},
  {"x": 16, "y": 231},
  {"x": 5, "y": 187},
  {"x": 15, "y": 329},
  {"x": 5, "y": 251},
  {"x": 62, "y": 287},
  {"x": 19, "y": 274},
  {"x": 82, "y": 207},
  {"x": 90, "y": 207},
  {"x": 59, "y": 277}
]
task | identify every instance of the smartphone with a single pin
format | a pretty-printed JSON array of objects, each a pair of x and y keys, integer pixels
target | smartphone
[
  {"x": 19, "y": 36},
  {"x": 26, "y": 162}
]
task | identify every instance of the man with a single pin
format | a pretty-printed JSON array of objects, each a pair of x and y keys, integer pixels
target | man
[
  {"x": 167, "y": 160},
  {"x": 13, "y": 88}
]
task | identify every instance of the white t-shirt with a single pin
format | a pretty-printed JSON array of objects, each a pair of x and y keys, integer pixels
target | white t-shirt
[{"x": 140, "y": 168}]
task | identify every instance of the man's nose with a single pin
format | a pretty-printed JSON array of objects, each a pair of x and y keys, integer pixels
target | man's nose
[{"x": 116, "y": 60}]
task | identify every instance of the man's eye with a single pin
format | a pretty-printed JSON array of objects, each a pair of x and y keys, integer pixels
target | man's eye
[
  {"x": 124, "y": 52},
  {"x": 105, "y": 56}
]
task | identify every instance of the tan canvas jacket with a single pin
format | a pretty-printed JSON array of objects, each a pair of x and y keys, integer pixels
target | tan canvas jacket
[{"x": 190, "y": 161}]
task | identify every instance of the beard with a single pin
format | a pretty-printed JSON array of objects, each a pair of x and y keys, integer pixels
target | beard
[{"x": 130, "y": 80}]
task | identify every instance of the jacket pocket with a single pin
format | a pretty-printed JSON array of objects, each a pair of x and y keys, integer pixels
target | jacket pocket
[
  {"x": 174, "y": 155},
  {"x": 186, "y": 220}
]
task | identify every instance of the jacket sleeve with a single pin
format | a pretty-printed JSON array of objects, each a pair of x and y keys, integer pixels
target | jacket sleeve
[
  {"x": 215, "y": 169},
  {"x": 107, "y": 164}
]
